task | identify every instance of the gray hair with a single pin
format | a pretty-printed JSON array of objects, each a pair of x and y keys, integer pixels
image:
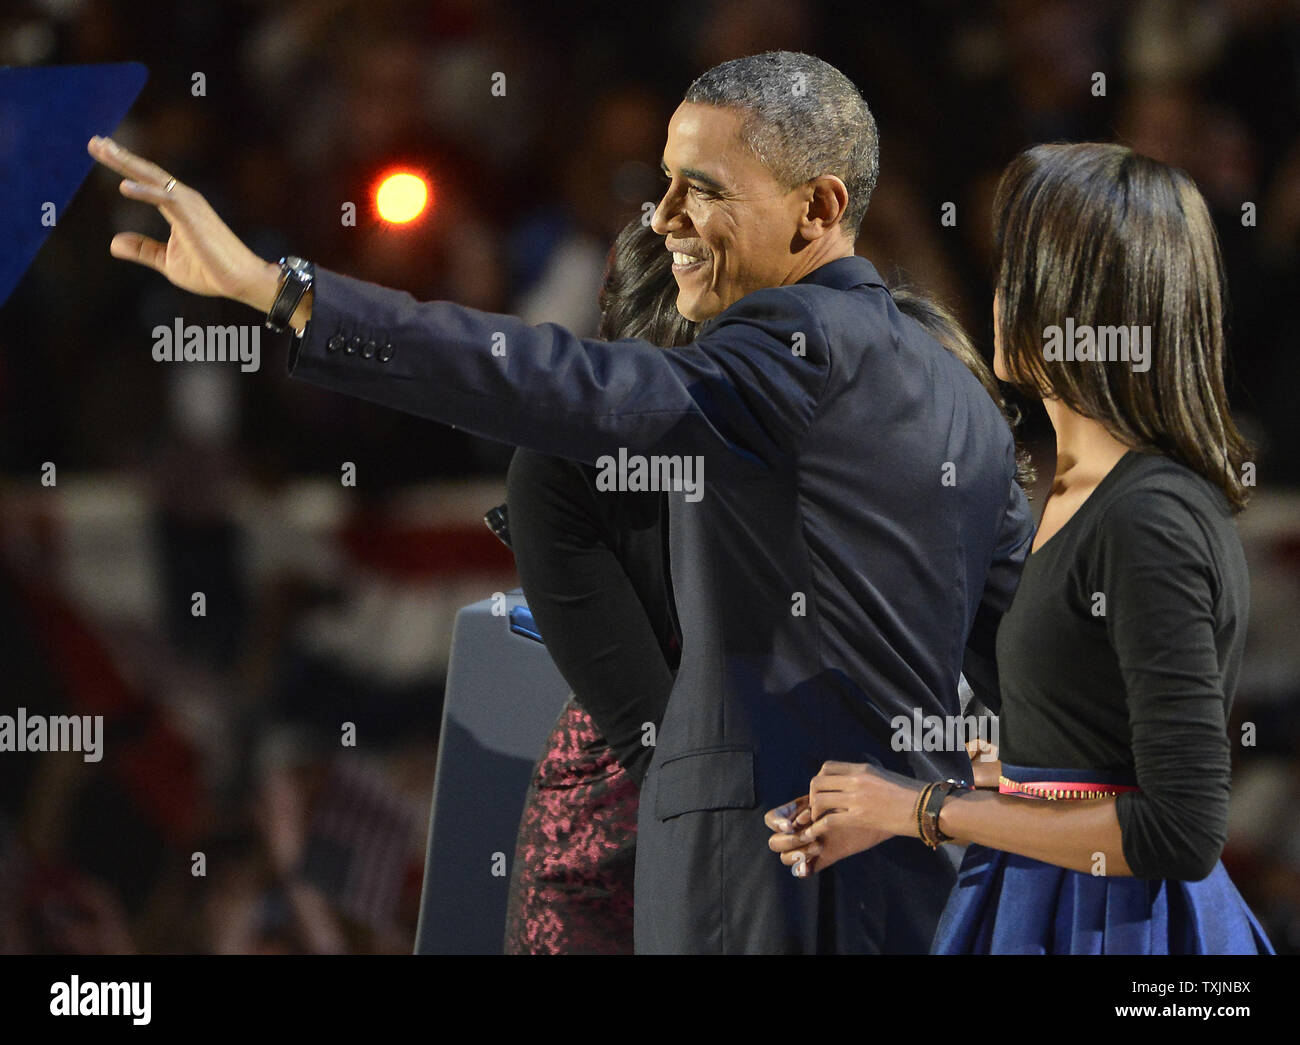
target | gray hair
[{"x": 804, "y": 118}]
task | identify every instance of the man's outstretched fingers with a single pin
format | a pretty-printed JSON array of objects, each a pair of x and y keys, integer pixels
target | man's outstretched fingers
[
  {"x": 131, "y": 246},
  {"x": 155, "y": 194},
  {"x": 127, "y": 163}
]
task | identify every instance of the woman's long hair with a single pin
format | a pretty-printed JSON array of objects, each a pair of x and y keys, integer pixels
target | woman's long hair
[
  {"x": 639, "y": 295},
  {"x": 1100, "y": 236}
]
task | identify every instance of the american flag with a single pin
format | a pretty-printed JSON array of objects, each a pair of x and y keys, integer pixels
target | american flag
[{"x": 359, "y": 842}]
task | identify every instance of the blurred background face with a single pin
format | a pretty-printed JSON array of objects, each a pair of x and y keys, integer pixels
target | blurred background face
[{"x": 729, "y": 223}]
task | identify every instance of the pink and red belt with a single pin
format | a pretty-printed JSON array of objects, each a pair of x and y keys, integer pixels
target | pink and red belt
[{"x": 1056, "y": 784}]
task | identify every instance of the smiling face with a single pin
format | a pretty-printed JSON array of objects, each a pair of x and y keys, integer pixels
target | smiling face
[{"x": 731, "y": 226}]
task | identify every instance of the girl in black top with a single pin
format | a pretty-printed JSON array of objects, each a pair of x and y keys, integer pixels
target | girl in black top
[{"x": 1119, "y": 655}]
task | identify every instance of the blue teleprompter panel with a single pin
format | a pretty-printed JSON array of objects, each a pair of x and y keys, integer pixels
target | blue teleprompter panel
[{"x": 47, "y": 115}]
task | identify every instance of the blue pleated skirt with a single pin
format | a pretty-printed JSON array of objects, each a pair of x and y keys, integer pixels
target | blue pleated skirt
[
  {"x": 1008, "y": 904},
  {"x": 1004, "y": 903}
]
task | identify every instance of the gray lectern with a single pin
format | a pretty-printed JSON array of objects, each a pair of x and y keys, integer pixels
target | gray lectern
[{"x": 503, "y": 696}]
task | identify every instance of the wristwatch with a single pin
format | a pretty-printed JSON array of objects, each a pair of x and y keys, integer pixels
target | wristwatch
[
  {"x": 296, "y": 278},
  {"x": 934, "y": 800}
]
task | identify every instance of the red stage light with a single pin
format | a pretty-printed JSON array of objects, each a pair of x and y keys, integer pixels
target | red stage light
[{"x": 401, "y": 197}]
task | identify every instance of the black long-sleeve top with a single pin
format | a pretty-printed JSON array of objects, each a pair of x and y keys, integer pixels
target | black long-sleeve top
[
  {"x": 592, "y": 566},
  {"x": 1121, "y": 651}
]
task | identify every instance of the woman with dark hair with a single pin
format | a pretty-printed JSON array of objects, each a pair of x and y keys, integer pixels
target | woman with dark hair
[
  {"x": 593, "y": 570},
  {"x": 1119, "y": 655}
]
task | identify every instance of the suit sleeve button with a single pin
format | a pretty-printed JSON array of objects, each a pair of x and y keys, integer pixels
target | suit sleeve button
[
  {"x": 386, "y": 352},
  {"x": 353, "y": 344},
  {"x": 368, "y": 349},
  {"x": 334, "y": 343}
]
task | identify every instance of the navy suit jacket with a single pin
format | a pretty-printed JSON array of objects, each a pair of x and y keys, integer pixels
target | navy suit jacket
[{"x": 859, "y": 535}]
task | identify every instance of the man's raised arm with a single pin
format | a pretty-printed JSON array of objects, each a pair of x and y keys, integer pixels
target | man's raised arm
[{"x": 739, "y": 396}]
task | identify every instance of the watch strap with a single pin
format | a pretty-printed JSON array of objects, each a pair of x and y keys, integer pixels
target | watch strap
[
  {"x": 932, "y": 804},
  {"x": 296, "y": 278}
]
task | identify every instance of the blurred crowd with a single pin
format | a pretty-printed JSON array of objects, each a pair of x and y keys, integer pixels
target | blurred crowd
[{"x": 328, "y": 603}]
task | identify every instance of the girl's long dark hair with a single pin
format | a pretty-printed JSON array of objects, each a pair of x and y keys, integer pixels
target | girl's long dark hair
[
  {"x": 1101, "y": 235},
  {"x": 639, "y": 295}
]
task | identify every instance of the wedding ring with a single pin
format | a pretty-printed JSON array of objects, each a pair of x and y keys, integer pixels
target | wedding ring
[{"x": 171, "y": 184}]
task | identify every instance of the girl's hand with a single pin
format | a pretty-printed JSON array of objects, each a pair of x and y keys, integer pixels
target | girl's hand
[
  {"x": 852, "y": 807},
  {"x": 986, "y": 767},
  {"x": 786, "y": 822}
]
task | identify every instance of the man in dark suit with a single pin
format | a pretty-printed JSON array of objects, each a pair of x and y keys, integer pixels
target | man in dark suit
[{"x": 858, "y": 523}]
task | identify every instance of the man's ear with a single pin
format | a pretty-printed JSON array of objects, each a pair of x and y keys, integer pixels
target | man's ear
[{"x": 827, "y": 200}]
